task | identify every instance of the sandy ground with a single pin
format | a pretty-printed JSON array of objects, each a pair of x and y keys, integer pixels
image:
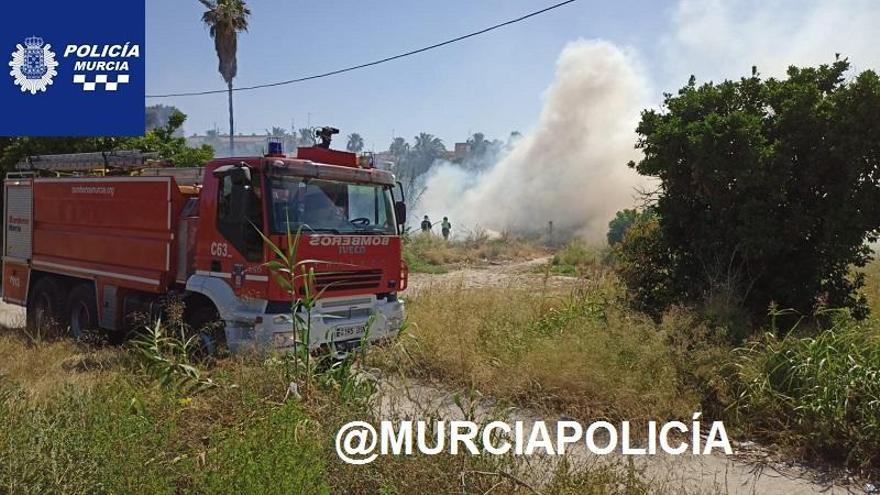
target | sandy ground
[
  {"x": 11, "y": 316},
  {"x": 750, "y": 470}
]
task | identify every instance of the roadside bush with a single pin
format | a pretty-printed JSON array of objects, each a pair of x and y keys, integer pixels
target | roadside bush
[
  {"x": 644, "y": 264},
  {"x": 575, "y": 259},
  {"x": 821, "y": 393}
]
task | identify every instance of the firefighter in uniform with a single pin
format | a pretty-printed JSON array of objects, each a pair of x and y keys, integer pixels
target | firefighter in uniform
[
  {"x": 426, "y": 224},
  {"x": 445, "y": 227}
]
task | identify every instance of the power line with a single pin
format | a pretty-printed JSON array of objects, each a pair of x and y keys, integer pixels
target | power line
[{"x": 370, "y": 64}]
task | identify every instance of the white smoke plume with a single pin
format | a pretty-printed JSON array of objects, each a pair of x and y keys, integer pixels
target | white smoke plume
[
  {"x": 571, "y": 169},
  {"x": 717, "y": 39}
]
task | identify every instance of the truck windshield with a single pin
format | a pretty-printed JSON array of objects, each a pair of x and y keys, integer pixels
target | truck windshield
[{"x": 317, "y": 205}]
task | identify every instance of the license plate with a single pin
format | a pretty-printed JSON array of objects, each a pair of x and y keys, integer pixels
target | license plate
[{"x": 347, "y": 333}]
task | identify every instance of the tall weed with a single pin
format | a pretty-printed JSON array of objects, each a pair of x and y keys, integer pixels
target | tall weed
[{"x": 818, "y": 393}]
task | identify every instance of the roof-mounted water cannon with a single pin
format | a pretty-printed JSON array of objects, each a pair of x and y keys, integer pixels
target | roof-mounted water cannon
[
  {"x": 321, "y": 152},
  {"x": 325, "y": 134}
]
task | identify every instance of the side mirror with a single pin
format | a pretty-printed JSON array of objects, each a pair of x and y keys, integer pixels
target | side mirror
[{"x": 400, "y": 212}]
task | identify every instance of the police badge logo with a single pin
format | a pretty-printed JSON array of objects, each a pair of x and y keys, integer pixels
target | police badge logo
[{"x": 33, "y": 65}]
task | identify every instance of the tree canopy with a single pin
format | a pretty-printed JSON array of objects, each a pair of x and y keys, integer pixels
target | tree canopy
[
  {"x": 165, "y": 140},
  {"x": 355, "y": 143},
  {"x": 769, "y": 188}
]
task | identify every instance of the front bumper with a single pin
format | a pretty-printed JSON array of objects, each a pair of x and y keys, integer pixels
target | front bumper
[{"x": 337, "y": 324}]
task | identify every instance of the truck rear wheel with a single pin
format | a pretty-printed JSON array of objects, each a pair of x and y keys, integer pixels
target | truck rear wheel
[
  {"x": 82, "y": 310},
  {"x": 45, "y": 306}
]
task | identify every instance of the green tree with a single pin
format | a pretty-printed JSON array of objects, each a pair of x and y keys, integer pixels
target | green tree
[
  {"x": 623, "y": 221},
  {"x": 769, "y": 188},
  {"x": 225, "y": 19},
  {"x": 165, "y": 140},
  {"x": 277, "y": 132},
  {"x": 355, "y": 143},
  {"x": 399, "y": 148},
  {"x": 171, "y": 147},
  {"x": 426, "y": 150}
]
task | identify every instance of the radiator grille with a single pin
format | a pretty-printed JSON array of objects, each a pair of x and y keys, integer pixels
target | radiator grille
[{"x": 337, "y": 281}]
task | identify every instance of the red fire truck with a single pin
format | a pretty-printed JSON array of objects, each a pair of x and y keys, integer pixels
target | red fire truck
[{"x": 90, "y": 250}]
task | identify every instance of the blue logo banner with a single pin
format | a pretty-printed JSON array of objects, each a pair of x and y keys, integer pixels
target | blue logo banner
[{"x": 72, "y": 68}]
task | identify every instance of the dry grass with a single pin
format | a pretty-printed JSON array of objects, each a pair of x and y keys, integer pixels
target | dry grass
[
  {"x": 872, "y": 286},
  {"x": 44, "y": 368},
  {"x": 580, "y": 351},
  {"x": 430, "y": 253}
]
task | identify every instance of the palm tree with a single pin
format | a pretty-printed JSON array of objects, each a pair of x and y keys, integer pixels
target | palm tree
[
  {"x": 306, "y": 137},
  {"x": 427, "y": 149},
  {"x": 399, "y": 148},
  {"x": 276, "y": 132},
  {"x": 225, "y": 19},
  {"x": 478, "y": 144},
  {"x": 355, "y": 143}
]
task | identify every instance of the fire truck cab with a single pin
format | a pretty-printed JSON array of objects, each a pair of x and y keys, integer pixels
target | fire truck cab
[{"x": 92, "y": 250}]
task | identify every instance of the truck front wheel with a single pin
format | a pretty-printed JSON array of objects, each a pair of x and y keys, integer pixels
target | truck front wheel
[
  {"x": 45, "y": 305},
  {"x": 210, "y": 331},
  {"x": 82, "y": 310}
]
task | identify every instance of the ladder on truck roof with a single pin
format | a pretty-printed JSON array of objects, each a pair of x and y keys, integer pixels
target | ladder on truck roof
[
  {"x": 129, "y": 162},
  {"x": 102, "y": 161}
]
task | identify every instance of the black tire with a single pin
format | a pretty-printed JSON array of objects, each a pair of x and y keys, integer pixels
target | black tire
[
  {"x": 45, "y": 305},
  {"x": 82, "y": 310},
  {"x": 204, "y": 322}
]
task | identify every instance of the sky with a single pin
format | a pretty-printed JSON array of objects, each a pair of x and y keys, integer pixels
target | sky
[{"x": 495, "y": 83}]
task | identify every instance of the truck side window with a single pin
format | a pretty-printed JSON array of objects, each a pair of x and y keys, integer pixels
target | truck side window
[{"x": 239, "y": 214}]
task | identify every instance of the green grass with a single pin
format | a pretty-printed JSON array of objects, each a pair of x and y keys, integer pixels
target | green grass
[
  {"x": 575, "y": 259},
  {"x": 121, "y": 438},
  {"x": 417, "y": 264},
  {"x": 819, "y": 393},
  {"x": 120, "y": 430},
  {"x": 74, "y": 444}
]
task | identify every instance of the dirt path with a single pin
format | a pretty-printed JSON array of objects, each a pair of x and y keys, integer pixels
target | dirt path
[{"x": 749, "y": 471}]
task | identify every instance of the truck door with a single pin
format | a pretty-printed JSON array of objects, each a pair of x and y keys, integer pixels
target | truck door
[{"x": 236, "y": 249}]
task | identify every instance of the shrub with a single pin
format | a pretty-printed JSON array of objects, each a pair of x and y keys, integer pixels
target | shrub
[
  {"x": 623, "y": 220},
  {"x": 766, "y": 187},
  {"x": 819, "y": 393},
  {"x": 644, "y": 263},
  {"x": 575, "y": 259}
]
